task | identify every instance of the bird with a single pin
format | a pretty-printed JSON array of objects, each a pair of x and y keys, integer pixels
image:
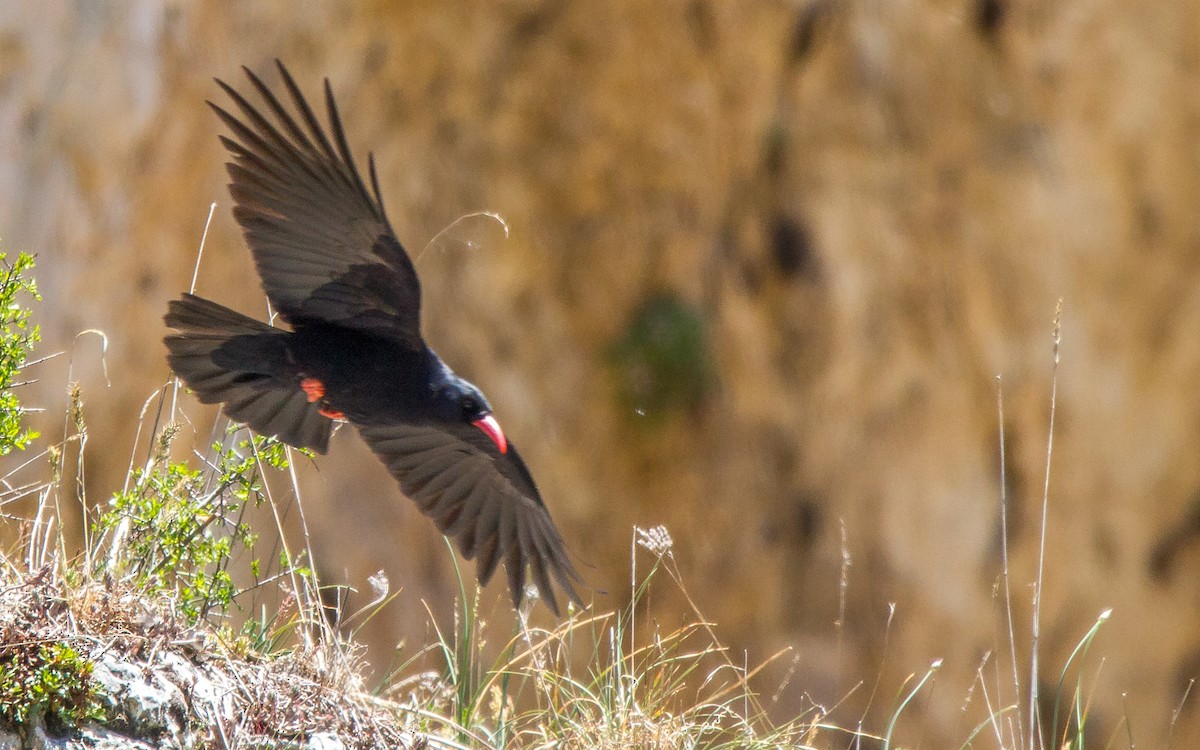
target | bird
[{"x": 335, "y": 272}]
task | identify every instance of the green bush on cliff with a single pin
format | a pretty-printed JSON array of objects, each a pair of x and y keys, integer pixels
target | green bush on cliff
[{"x": 17, "y": 338}]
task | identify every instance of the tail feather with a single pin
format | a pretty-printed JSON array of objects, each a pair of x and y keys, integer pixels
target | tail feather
[
  {"x": 192, "y": 314},
  {"x": 231, "y": 359}
]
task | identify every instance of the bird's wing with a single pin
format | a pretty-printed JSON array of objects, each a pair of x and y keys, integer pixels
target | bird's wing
[
  {"x": 319, "y": 237},
  {"x": 484, "y": 500}
]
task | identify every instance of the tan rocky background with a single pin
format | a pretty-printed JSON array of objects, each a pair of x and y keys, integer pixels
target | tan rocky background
[{"x": 767, "y": 260}]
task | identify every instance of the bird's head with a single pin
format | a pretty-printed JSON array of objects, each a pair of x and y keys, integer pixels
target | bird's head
[{"x": 460, "y": 401}]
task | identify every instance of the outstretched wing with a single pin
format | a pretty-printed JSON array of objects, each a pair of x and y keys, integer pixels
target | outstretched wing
[
  {"x": 319, "y": 237},
  {"x": 484, "y": 500}
]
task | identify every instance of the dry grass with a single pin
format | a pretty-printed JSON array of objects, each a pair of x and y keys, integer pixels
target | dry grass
[
  {"x": 586, "y": 683},
  {"x": 261, "y": 699}
]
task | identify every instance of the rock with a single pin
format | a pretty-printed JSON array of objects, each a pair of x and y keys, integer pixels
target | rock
[
  {"x": 87, "y": 738},
  {"x": 324, "y": 741},
  {"x": 149, "y": 703}
]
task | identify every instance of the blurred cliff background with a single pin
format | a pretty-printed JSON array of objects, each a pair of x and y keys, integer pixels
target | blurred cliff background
[{"x": 767, "y": 260}]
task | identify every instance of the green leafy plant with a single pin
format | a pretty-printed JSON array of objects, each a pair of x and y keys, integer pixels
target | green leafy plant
[
  {"x": 176, "y": 530},
  {"x": 46, "y": 680},
  {"x": 17, "y": 338}
]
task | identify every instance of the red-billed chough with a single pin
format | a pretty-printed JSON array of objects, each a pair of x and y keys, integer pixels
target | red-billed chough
[{"x": 336, "y": 273}]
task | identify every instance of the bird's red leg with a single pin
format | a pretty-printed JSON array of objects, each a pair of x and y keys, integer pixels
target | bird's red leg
[{"x": 314, "y": 391}]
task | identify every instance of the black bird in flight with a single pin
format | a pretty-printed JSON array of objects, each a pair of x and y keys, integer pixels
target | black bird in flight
[{"x": 336, "y": 273}]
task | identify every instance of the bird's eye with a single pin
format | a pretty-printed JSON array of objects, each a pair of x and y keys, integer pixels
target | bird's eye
[{"x": 470, "y": 407}]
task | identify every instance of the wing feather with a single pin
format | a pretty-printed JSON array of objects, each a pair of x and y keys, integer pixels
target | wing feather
[
  {"x": 482, "y": 499},
  {"x": 319, "y": 235}
]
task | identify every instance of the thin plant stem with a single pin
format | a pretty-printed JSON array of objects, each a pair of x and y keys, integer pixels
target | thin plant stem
[
  {"x": 1035, "y": 633},
  {"x": 1004, "y": 569}
]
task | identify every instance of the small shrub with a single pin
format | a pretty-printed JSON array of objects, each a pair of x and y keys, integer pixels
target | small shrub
[
  {"x": 176, "y": 530},
  {"x": 17, "y": 338},
  {"x": 46, "y": 680}
]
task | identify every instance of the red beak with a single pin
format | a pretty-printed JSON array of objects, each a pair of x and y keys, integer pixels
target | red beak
[{"x": 491, "y": 428}]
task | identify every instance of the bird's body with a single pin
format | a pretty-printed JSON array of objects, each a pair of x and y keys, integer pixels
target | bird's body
[
  {"x": 368, "y": 378},
  {"x": 334, "y": 269}
]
